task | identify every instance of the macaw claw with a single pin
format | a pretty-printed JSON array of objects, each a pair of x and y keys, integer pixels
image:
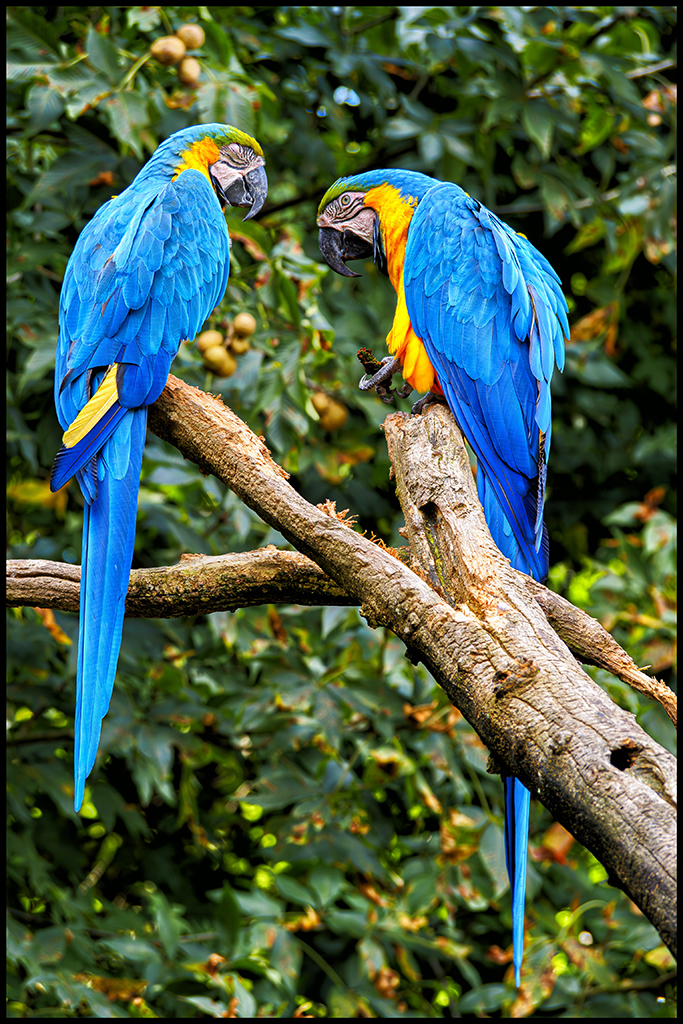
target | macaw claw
[
  {"x": 383, "y": 376},
  {"x": 426, "y": 400}
]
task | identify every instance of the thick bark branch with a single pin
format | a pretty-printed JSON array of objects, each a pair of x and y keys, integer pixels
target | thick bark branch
[{"x": 477, "y": 625}]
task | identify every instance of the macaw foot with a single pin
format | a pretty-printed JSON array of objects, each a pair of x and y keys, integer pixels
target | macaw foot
[
  {"x": 428, "y": 399},
  {"x": 382, "y": 377}
]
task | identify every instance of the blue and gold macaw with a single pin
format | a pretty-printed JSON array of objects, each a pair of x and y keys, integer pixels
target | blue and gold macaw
[
  {"x": 481, "y": 320},
  {"x": 144, "y": 275}
]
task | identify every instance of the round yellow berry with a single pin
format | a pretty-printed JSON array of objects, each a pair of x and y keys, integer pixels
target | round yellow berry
[
  {"x": 240, "y": 344},
  {"x": 334, "y": 416},
  {"x": 320, "y": 402},
  {"x": 189, "y": 71},
  {"x": 207, "y": 340},
  {"x": 244, "y": 323},
  {"x": 168, "y": 50},
  {"x": 192, "y": 35},
  {"x": 222, "y": 362}
]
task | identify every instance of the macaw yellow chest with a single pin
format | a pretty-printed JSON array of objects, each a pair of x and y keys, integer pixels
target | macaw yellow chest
[{"x": 395, "y": 213}]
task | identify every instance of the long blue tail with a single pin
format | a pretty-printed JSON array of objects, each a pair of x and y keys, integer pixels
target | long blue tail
[
  {"x": 517, "y": 802},
  {"x": 517, "y": 797},
  {"x": 108, "y": 541}
]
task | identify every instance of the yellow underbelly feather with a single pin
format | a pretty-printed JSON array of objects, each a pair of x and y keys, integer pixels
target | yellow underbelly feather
[
  {"x": 395, "y": 213},
  {"x": 403, "y": 342}
]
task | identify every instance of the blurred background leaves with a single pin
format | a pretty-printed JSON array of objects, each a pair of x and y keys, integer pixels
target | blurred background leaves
[{"x": 286, "y": 817}]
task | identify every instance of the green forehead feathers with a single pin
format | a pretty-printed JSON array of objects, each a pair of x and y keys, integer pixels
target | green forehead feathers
[
  {"x": 235, "y": 135},
  {"x": 341, "y": 185}
]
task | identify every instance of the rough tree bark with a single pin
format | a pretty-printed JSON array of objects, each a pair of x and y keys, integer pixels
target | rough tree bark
[{"x": 483, "y": 630}]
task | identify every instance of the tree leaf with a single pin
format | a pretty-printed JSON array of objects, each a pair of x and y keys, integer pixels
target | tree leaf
[
  {"x": 127, "y": 114},
  {"x": 102, "y": 55},
  {"x": 44, "y": 106},
  {"x": 538, "y": 123}
]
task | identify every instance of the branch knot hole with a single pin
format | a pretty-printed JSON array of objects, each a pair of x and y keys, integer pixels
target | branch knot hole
[
  {"x": 429, "y": 512},
  {"x": 625, "y": 755}
]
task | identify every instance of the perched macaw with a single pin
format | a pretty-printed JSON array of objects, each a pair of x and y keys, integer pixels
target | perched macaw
[
  {"x": 480, "y": 319},
  {"x": 144, "y": 275}
]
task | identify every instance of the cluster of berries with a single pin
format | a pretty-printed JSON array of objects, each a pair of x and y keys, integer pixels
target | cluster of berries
[
  {"x": 170, "y": 50},
  {"x": 219, "y": 348}
]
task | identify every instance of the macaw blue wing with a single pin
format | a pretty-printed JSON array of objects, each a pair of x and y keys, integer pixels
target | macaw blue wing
[
  {"x": 144, "y": 275},
  {"x": 489, "y": 310},
  {"x": 492, "y": 317}
]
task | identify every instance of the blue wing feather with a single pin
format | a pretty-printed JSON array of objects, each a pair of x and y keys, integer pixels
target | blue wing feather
[
  {"x": 140, "y": 279},
  {"x": 499, "y": 315},
  {"x": 490, "y": 312}
]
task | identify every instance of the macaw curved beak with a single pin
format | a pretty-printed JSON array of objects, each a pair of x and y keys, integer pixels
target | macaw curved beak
[
  {"x": 249, "y": 190},
  {"x": 337, "y": 247},
  {"x": 257, "y": 184}
]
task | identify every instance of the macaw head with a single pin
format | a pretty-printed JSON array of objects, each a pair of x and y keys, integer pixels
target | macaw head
[
  {"x": 354, "y": 213},
  {"x": 231, "y": 160},
  {"x": 238, "y": 175}
]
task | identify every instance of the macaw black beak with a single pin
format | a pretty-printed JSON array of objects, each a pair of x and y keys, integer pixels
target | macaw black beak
[
  {"x": 257, "y": 189},
  {"x": 337, "y": 247},
  {"x": 249, "y": 190}
]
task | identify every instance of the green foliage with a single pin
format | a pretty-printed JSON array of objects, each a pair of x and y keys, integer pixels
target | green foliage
[{"x": 285, "y": 813}]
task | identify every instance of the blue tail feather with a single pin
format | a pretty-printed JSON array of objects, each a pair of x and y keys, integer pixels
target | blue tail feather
[
  {"x": 517, "y": 803},
  {"x": 517, "y": 796},
  {"x": 108, "y": 542}
]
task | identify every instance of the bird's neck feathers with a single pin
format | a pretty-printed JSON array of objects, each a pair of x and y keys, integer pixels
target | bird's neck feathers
[
  {"x": 395, "y": 210},
  {"x": 395, "y": 199},
  {"x": 198, "y": 156},
  {"x": 394, "y": 194},
  {"x": 175, "y": 156}
]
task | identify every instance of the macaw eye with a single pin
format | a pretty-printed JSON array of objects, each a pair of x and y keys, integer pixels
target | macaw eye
[{"x": 345, "y": 200}]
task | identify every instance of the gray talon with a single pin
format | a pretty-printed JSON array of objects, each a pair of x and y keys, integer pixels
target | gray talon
[
  {"x": 379, "y": 380},
  {"x": 428, "y": 399},
  {"x": 366, "y": 383}
]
